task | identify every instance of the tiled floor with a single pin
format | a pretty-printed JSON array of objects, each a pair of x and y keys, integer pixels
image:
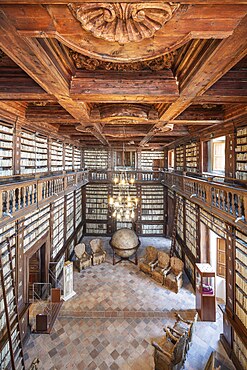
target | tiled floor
[{"x": 114, "y": 317}]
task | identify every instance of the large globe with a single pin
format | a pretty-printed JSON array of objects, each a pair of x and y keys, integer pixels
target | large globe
[{"x": 125, "y": 242}]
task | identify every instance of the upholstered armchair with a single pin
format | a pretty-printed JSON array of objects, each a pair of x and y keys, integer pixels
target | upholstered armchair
[
  {"x": 149, "y": 260},
  {"x": 83, "y": 258},
  {"x": 173, "y": 276},
  {"x": 99, "y": 254},
  {"x": 169, "y": 352},
  {"x": 161, "y": 266},
  {"x": 183, "y": 326}
]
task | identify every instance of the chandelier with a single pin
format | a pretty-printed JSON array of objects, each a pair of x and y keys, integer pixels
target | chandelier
[{"x": 123, "y": 205}]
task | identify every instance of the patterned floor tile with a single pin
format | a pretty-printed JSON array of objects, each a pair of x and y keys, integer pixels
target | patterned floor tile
[{"x": 114, "y": 317}]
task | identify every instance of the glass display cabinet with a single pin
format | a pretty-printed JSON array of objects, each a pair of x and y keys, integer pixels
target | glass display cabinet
[{"x": 205, "y": 292}]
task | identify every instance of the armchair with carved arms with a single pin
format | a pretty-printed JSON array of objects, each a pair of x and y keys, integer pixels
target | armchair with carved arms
[
  {"x": 83, "y": 258},
  {"x": 99, "y": 254},
  {"x": 161, "y": 266},
  {"x": 169, "y": 352},
  {"x": 183, "y": 326},
  {"x": 173, "y": 276},
  {"x": 149, "y": 260}
]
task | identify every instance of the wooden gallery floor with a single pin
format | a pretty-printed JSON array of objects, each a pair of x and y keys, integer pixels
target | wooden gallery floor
[{"x": 113, "y": 318}]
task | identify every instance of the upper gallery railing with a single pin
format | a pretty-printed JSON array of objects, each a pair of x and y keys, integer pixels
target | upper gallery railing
[
  {"x": 109, "y": 175},
  {"x": 19, "y": 195},
  {"x": 228, "y": 199}
]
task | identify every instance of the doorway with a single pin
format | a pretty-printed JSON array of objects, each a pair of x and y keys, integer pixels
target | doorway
[
  {"x": 37, "y": 272},
  {"x": 213, "y": 251}
]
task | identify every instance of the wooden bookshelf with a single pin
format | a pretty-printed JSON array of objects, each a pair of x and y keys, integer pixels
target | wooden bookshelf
[
  {"x": 77, "y": 158},
  {"x": 58, "y": 227},
  {"x": 69, "y": 215},
  {"x": 191, "y": 219},
  {"x": 241, "y": 277},
  {"x": 36, "y": 225},
  {"x": 6, "y": 149},
  {"x": 241, "y": 154},
  {"x": 56, "y": 156},
  {"x": 78, "y": 207},
  {"x": 152, "y": 209},
  {"x": 68, "y": 157},
  {"x": 179, "y": 158},
  {"x": 180, "y": 219},
  {"x": 190, "y": 269},
  {"x": 191, "y": 157},
  {"x": 96, "y": 159},
  {"x": 28, "y": 152},
  {"x": 41, "y": 164},
  {"x": 239, "y": 349},
  {"x": 96, "y": 209},
  {"x": 151, "y": 159}
]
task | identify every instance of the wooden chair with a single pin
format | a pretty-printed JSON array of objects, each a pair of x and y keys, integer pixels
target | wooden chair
[
  {"x": 183, "y": 326},
  {"x": 99, "y": 254},
  {"x": 169, "y": 353},
  {"x": 149, "y": 260},
  {"x": 162, "y": 265},
  {"x": 83, "y": 258},
  {"x": 173, "y": 276}
]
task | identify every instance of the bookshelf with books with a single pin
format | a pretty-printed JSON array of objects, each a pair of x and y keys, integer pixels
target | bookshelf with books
[
  {"x": 152, "y": 209},
  {"x": 58, "y": 227},
  {"x": 95, "y": 159},
  {"x": 192, "y": 157},
  {"x": 239, "y": 350},
  {"x": 77, "y": 158},
  {"x": 36, "y": 225},
  {"x": 56, "y": 156},
  {"x": 150, "y": 158},
  {"x": 78, "y": 207},
  {"x": 241, "y": 153},
  {"x": 180, "y": 219},
  {"x": 69, "y": 214},
  {"x": 96, "y": 209},
  {"x": 179, "y": 158},
  {"x": 68, "y": 157},
  {"x": 28, "y": 152},
  {"x": 241, "y": 277},
  {"x": 6, "y": 149},
  {"x": 41, "y": 153},
  {"x": 191, "y": 228}
]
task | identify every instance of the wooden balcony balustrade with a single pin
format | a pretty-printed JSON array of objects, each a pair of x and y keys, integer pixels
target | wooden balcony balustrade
[
  {"x": 218, "y": 197},
  {"x": 108, "y": 175},
  {"x": 21, "y": 195}
]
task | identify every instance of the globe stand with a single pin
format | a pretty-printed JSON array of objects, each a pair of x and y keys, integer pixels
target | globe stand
[{"x": 121, "y": 259}]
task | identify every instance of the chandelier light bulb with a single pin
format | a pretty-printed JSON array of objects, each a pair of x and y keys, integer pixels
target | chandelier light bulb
[
  {"x": 132, "y": 180},
  {"x": 114, "y": 214},
  {"x": 132, "y": 214},
  {"x": 116, "y": 180},
  {"x": 111, "y": 201}
]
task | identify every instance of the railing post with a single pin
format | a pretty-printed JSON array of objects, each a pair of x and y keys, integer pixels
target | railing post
[
  {"x": 1, "y": 203},
  {"x": 39, "y": 191}
]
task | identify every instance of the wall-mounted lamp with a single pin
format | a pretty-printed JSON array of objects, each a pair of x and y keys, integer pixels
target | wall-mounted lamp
[
  {"x": 193, "y": 195},
  {"x": 173, "y": 186},
  {"x": 241, "y": 218}
]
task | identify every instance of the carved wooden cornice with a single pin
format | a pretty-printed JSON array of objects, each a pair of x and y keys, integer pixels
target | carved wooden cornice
[
  {"x": 123, "y": 22},
  {"x": 90, "y": 64}
]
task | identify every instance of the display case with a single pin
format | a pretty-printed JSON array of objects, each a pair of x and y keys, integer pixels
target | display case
[{"x": 205, "y": 292}]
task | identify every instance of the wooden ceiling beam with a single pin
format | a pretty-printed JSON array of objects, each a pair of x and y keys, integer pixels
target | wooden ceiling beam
[
  {"x": 28, "y": 54},
  {"x": 227, "y": 54}
]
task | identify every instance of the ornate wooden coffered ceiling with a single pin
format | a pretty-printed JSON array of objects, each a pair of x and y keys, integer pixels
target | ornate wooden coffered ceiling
[{"x": 158, "y": 69}]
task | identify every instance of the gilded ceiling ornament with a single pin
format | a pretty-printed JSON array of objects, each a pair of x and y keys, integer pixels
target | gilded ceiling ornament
[
  {"x": 90, "y": 64},
  {"x": 123, "y": 22}
]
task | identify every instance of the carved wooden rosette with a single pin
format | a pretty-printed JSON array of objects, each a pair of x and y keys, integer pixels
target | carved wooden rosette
[{"x": 123, "y": 22}]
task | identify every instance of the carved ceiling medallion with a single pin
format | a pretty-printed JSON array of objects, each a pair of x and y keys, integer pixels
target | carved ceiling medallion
[{"x": 123, "y": 22}]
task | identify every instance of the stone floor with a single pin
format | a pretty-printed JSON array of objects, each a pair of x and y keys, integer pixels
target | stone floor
[{"x": 114, "y": 317}]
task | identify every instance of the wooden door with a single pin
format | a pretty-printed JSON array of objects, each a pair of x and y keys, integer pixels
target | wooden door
[{"x": 221, "y": 258}]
